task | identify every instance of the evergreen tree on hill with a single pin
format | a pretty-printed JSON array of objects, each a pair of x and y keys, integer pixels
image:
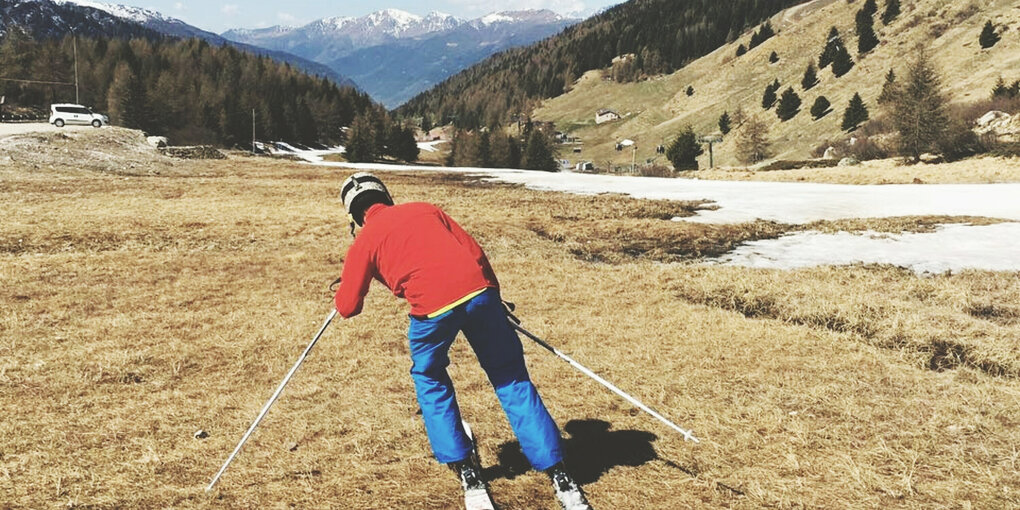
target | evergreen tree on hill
[
  {"x": 768, "y": 99},
  {"x": 892, "y": 10},
  {"x": 866, "y": 38},
  {"x": 789, "y": 105},
  {"x": 855, "y": 113},
  {"x": 684, "y": 150},
  {"x": 741, "y": 50},
  {"x": 870, "y": 7},
  {"x": 763, "y": 34},
  {"x": 810, "y": 77},
  {"x": 889, "y": 89},
  {"x": 989, "y": 37},
  {"x": 920, "y": 111},
  {"x": 724, "y": 123},
  {"x": 832, "y": 43},
  {"x": 842, "y": 63}
]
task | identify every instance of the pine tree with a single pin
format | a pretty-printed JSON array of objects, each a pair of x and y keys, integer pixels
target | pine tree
[
  {"x": 920, "y": 111},
  {"x": 402, "y": 144},
  {"x": 361, "y": 140},
  {"x": 870, "y": 7},
  {"x": 810, "y": 77},
  {"x": 889, "y": 89},
  {"x": 842, "y": 63},
  {"x": 832, "y": 43},
  {"x": 989, "y": 37},
  {"x": 768, "y": 99},
  {"x": 892, "y": 10},
  {"x": 820, "y": 108},
  {"x": 773, "y": 58},
  {"x": 753, "y": 143},
  {"x": 724, "y": 123},
  {"x": 789, "y": 105},
  {"x": 866, "y": 38},
  {"x": 538, "y": 154},
  {"x": 690, "y": 90},
  {"x": 855, "y": 113},
  {"x": 741, "y": 50},
  {"x": 684, "y": 150}
]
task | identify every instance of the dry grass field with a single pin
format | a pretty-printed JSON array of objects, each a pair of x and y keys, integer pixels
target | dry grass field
[{"x": 137, "y": 309}]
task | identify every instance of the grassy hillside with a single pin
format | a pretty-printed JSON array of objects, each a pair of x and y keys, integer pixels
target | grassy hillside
[
  {"x": 138, "y": 309},
  {"x": 664, "y": 35},
  {"x": 656, "y": 109}
]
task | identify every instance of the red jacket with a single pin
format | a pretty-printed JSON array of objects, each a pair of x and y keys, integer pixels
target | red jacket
[{"x": 419, "y": 253}]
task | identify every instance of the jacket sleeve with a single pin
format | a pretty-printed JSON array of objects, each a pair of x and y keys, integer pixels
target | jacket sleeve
[
  {"x": 469, "y": 242},
  {"x": 355, "y": 279}
]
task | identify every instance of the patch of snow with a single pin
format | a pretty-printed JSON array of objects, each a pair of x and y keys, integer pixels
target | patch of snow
[
  {"x": 121, "y": 11},
  {"x": 496, "y": 17},
  {"x": 949, "y": 248},
  {"x": 430, "y": 146}
]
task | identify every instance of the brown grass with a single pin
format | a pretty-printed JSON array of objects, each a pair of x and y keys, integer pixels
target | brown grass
[
  {"x": 137, "y": 310},
  {"x": 887, "y": 171}
]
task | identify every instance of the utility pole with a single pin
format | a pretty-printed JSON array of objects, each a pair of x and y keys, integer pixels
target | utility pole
[{"x": 74, "y": 45}]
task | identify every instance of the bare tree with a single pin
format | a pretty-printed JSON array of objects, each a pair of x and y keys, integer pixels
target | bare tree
[{"x": 753, "y": 143}]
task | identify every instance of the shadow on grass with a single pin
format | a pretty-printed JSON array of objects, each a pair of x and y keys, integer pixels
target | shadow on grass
[{"x": 591, "y": 451}]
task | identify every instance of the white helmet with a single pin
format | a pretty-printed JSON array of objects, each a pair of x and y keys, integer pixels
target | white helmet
[{"x": 356, "y": 186}]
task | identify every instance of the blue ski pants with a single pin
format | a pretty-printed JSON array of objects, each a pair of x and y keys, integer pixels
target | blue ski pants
[{"x": 484, "y": 323}]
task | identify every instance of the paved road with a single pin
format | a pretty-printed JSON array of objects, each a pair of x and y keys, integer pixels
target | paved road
[{"x": 17, "y": 128}]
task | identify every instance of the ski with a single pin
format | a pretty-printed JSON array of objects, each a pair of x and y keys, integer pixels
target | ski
[{"x": 476, "y": 491}]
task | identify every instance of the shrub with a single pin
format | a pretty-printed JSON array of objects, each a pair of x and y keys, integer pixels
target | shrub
[
  {"x": 821, "y": 108},
  {"x": 866, "y": 149},
  {"x": 655, "y": 171},
  {"x": 774, "y": 57},
  {"x": 959, "y": 141}
]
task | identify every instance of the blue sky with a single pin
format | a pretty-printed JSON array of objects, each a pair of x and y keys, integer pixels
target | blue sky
[{"x": 219, "y": 15}]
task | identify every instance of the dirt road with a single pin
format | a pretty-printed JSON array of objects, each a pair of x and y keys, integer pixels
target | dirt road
[{"x": 17, "y": 128}]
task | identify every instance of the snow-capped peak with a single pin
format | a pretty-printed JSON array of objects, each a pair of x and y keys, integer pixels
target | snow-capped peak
[
  {"x": 530, "y": 15},
  {"x": 136, "y": 14},
  {"x": 396, "y": 16}
]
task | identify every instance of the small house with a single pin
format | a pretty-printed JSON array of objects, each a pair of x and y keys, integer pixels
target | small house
[{"x": 602, "y": 116}]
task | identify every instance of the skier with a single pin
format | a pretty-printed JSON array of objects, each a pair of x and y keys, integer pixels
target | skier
[{"x": 422, "y": 255}]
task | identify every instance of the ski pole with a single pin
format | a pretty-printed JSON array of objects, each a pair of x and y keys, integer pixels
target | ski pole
[
  {"x": 276, "y": 394},
  {"x": 688, "y": 435}
]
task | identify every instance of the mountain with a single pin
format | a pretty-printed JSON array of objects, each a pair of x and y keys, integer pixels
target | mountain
[
  {"x": 55, "y": 18},
  {"x": 656, "y": 109},
  {"x": 395, "y": 54},
  {"x": 662, "y": 35},
  {"x": 328, "y": 39}
]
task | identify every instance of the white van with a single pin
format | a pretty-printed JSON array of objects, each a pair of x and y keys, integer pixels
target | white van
[{"x": 65, "y": 113}]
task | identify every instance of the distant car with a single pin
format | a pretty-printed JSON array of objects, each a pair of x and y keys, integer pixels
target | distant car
[{"x": 61, "y": 114}]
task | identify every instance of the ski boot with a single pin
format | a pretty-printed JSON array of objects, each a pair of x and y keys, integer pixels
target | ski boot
[{"x": 568, "y": 492}]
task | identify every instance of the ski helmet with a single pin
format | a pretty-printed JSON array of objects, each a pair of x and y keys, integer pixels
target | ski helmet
[{"x": 365, "y": 186}]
